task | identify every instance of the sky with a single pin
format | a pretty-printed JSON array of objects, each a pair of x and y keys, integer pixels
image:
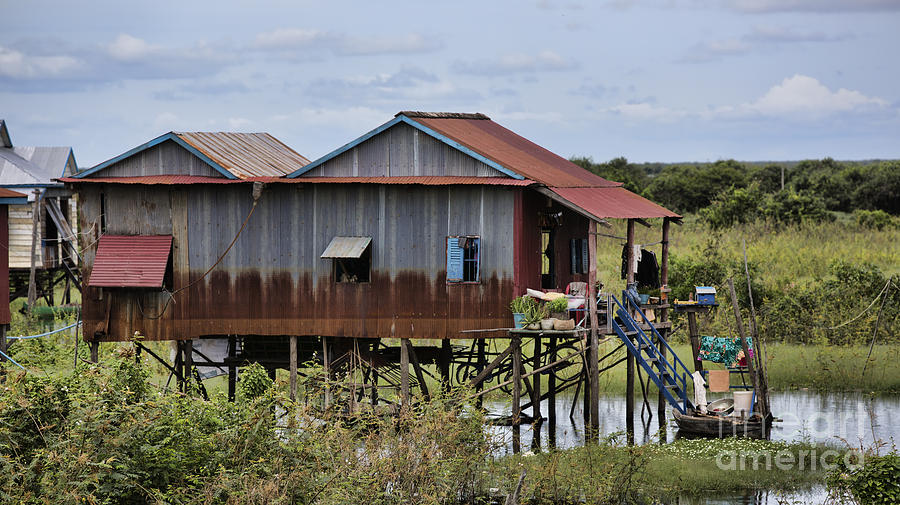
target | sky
[{"x": 654, "y": 80}]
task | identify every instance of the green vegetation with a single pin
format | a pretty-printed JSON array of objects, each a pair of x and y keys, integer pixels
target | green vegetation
[
  {"x": 874, "y": 483},
  {"x": 105, "y": 434}
]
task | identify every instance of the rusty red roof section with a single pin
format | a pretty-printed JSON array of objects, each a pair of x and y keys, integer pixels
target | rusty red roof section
[
  {"x": 8, "y": 193},
  {"x": 616, "y": 203},
  {"x": 137, "y": 261},
  {"x": 246, "y": 154},
  {"x": 413, "y": 180},
  {"x": 478, "y": 133}
]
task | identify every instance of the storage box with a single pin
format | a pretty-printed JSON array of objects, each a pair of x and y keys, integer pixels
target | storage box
[{"x": 706, "y": 295}]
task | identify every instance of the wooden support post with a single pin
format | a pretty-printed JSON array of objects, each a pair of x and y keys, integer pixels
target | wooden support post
[
  {"x": 446, "y": 356},
  {"x": 663, "y": 316},
  {"x": 374, "y": 373},
  {"x": 232, "y": 370},
  {"x": 420, "y": 376},
  {"x": 95, "y": 352},
  {"x": 536, "y": 381},
  {"x": 515, "y": 346},
  {"x": 326, "y": 368},
  {"x": 551, "y": 392},
  {"x": 481, "y": 345},
  {"x": 629, "y": 398},
  {"x": 593, "y": 352},
  {"x": 404, "y": 373},
  {"x": 3, "y": 343},
  {"x": 293, "y": 367},
  {"x": 739, "y": 322},
  {"x": 629, "y": 252},
  {"x": 35, "y": 237},
  {"x": 188, "y": 360},
  {"x": 694, "y": 332}
]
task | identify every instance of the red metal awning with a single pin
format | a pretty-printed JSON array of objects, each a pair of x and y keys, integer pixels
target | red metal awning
[
  {"x": 137, "y": 261},
  {"x": 615, "y": 203}
]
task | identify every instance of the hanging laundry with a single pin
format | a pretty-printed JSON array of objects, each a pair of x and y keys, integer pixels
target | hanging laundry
[
  {"x": 724, "y": 350},
  {"x": 647, "y": 275}
]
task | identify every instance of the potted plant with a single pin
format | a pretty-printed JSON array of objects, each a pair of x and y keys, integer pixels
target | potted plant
[
  {"x": 519, "y": 307},
  {"x": 533, "y": 316},
  {"x": 559, "y": 308}
]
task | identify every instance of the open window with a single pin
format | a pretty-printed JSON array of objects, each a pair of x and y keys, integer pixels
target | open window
[
  {"x": 579, "y": 255},
  {"x": 351, "y": 258},
  {"x": 463, "y": 258}
]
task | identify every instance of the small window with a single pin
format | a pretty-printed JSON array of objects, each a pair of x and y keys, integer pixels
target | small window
[
  {"x": 463, "y": 258},
  {"x": 351, "y": 258},
  {"x": 580, "y": 262}
]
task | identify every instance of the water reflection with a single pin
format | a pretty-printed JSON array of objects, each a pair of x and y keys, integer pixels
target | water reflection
[{"x": 816, "y": 417}]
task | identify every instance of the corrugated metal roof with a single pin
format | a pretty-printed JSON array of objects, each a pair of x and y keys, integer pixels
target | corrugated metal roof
[
  {"x": 509, "y": 149},
  {"x": 246, "y": 154},
  {"x": 137, "y": 261},
  {"x": 616, "y": 203},
  {"x": 4, "y": 135},
  {"x": 420, "y": 180},
  {"x": 346, "y": 247},
  {"x": 8, "y": 193},
  {"x": 52, "y": 160},
  {"x": 15, "y": 169}
]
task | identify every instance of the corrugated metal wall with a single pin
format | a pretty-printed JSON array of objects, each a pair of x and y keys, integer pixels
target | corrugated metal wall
[
  {"x": 274, "y": 283},
  {"x": 166, "y": 158},
  {"x": 403, "y": 151}
]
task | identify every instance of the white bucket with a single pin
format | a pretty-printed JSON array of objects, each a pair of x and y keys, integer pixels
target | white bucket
[{"x": 743, "y": 401}]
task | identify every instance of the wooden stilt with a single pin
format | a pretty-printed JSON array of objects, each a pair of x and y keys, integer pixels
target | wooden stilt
[
  {"x": 663, "y": 316},
  {"x": 629, "y": 377},
  {"x": 446, "y": 356},
  {"x": 515, "y": 345},
  {"x": 95, "y": 352},
  {"x": 480, "y": 345},
  {"x": 374, "y": 370},
  {"x": 694, "y": 332},
  {"x": 586, "y": 397},
  {"x": 551, "y": 391},
  {"x": 293, "y": 367},
  {"x": 417, "y": 368},
  {"x": 3, "y": 343},
  {"x": 739, "y": 322},
  {"x": 594, "y": 350},
  {"x": 232, "y": 370},
  {"x": 536, "y": 381},
  {"x": 326, "y": 368},
  {"x": 404, "y": 373},
  {"x": 188, "y": 360}
]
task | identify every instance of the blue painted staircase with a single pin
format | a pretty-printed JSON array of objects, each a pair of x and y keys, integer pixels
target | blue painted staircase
[{"x": 668, "y": 372}]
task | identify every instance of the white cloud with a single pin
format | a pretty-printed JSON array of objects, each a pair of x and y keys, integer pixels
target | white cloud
[
  {"x": 644, "y": 111},
  {"x": 129, "y": 48},
  {"x": 18, "y": 65},
  {"x": 238, "y": 123},
  {"x": 515, "y": 63},
  {"x": 288, "y": 38},
  {"x": 291, "y": 40},
  {"x": 804, "y": 97}
]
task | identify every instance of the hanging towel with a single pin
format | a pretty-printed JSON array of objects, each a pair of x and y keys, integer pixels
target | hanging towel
[
  {"x": 719, "y": 381},
  {"x": 699, "y": 391}
]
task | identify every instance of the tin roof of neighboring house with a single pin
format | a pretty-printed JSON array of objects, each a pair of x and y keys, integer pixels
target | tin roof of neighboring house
[
  {"x": 234, "y": 155},
  {"x": 413, "y": 180}
]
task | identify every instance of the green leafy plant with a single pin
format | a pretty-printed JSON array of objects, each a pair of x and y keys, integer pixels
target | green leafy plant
[
  {"x": 521, "y": 304},
  {"x": 535, "y": 313},
  {"x": 560, "y": 304},
  {"x": 255, "y": 382}
]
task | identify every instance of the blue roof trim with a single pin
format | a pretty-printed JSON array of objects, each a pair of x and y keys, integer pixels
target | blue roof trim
[
  {"x": 422, "y": 128},
  {"x": 344, "y": 148},
  {"x": 40, "y": 185},
  {"x": 14, "y": 201},
  {"x": 158, "y": 140}
]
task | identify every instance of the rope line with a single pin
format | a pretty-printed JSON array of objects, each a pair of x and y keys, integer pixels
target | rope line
[
  {"x": 886, "y": 284},
  {"x": 11, "y": 360},
  {"x": 44, "y": 334}
]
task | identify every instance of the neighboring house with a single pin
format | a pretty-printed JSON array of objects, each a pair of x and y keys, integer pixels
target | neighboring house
[
  {"x": 33, "y": 171},
  {"x": 7, "y": 199},
  {"x": 421, "y": 228}
]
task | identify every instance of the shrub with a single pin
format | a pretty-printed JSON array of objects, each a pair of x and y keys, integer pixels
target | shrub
[
  {"x": 874, "y": 483},
  {"x": 874, "y": 219}
]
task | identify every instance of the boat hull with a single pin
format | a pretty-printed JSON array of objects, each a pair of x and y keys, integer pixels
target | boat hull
[{"x": 697, "y": 424}]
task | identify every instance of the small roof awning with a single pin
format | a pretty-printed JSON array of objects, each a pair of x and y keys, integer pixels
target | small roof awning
[
  {"x": 346, "y": 247},
  {"x": 137, "y": 261}
]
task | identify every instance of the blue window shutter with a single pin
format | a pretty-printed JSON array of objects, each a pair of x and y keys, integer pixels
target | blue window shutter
[
  {"x": 574, "y": 255},
  {"x": 477, "y": 259},
  {"x": 585, "y": 257},
  {"x": 454, "y": 260}
]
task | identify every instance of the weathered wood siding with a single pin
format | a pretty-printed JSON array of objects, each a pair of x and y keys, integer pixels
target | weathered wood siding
[
  {"x": 167, "y": 158},
  {"x": 20, "y": 231},
  {"x": 403, "y": 151},
  {"x": 273, "y": 281}
]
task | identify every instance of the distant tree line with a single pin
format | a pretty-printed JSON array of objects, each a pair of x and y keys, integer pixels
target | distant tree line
[{"x": 728, "y": 192}]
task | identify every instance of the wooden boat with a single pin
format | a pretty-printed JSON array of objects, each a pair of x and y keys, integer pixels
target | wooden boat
[{"x": 695, "y": 423}]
